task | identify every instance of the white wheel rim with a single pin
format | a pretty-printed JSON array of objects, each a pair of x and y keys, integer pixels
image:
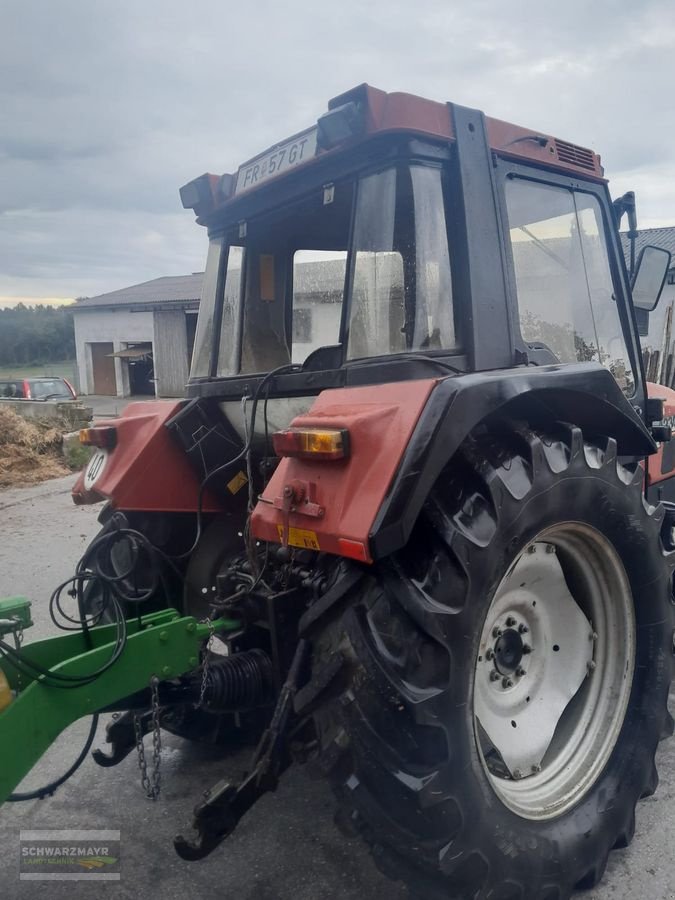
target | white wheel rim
[{"x": 554, "y": 671}]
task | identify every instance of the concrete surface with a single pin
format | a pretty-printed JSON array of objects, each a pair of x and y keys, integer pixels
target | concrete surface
[{"x": 287, "y": 847}]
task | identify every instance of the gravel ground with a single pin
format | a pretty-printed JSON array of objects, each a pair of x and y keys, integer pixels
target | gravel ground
[{"x": 287, "y": 848}]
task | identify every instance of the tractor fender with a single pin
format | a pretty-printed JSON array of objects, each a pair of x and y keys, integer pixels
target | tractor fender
[
  {"x": 145, "y": 470},
  {"x": 401, "y": 436},
  {"x": 585, "y": 393},
  {"x": 331, "y": 505}
]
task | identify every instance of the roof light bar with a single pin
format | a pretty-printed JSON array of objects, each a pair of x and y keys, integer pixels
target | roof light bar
[
  {"x": 340, "y": 124},
  {"x": 204, "y": 193}
]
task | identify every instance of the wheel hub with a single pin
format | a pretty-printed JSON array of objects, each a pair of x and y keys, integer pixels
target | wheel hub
[
  {"x": 545, "y": 718},
  {"x": 508, "y": 652},
  {"x": 526, "y": 684}
]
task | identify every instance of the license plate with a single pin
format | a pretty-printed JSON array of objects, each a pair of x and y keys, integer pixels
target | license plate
[{"x": 276, "y": 161}]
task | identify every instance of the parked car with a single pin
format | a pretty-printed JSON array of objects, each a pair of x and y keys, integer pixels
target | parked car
[{"x": 49, "y": 387}]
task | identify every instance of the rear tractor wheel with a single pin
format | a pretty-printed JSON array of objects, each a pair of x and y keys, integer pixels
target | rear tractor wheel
[{"x": 504, "y": 679}]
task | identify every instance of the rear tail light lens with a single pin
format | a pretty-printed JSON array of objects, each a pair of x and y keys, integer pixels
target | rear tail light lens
[
  {"x": 312, "y": 443},
  {"x": 105, "y": 437}
]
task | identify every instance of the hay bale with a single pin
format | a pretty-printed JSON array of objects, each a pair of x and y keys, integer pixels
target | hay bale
[{"x": 30, "y": 451}]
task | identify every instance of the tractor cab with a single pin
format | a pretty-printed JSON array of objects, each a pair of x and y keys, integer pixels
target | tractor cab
[
  {"x": 400, "y": 521},
  {"x": 399, "y": 236}
]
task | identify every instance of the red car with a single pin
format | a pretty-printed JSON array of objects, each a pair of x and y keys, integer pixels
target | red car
[{"x": 48, "y": 387}]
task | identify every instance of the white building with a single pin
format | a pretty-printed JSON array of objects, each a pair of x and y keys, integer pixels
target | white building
[{"x": 138, "y": 340}]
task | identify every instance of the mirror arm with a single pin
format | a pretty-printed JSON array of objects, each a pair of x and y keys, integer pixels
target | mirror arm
[{"x": 626, "y": 206}]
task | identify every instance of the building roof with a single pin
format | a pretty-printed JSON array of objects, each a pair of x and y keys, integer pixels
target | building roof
[
  {"x": 169, "y": 289},
  {"x": 318, "y": 281},
  {"x": 658, "y": 237}
]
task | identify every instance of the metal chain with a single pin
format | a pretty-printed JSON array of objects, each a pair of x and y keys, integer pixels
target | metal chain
[
  {"x": 207, "y": 662},
  {"x": 151, "y": 785}
]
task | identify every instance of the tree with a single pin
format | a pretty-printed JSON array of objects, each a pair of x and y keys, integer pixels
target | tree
[{"x": 36, "y": 335}]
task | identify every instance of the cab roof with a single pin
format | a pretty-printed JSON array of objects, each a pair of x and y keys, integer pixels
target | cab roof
[{"x": 363, "y": 113}]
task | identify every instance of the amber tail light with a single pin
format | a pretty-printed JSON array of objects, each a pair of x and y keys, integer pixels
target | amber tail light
[
  {"x": 312, "y": 443},
  {"x": 105, "y": 437}
]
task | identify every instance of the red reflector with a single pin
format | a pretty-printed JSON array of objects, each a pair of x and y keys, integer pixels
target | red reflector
[
  {"x": 312, "y": 443},
  {"x": 106, "y": 437},
  {"x": 353, "y": 549}
]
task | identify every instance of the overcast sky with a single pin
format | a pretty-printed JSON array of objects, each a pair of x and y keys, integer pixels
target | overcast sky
[{"x": 107, "y": 107}]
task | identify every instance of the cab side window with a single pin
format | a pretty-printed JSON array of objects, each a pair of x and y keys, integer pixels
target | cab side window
[{"x": 564, "y": 284}]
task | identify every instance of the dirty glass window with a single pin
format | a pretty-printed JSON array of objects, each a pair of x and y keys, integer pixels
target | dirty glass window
[
  {"x": 565, "y": 292},
  {"x": 402, "y": 289},
  {"x": 318, "y": 288},
  {"x": 377, "y": 310},
  {"x": 229, "y": 326},
  {"x": 295, "y": 272},
  {"x": 434, "y": 326},
  {"x": 265, "y": 338},
  {"x": 201, "y": 357}
]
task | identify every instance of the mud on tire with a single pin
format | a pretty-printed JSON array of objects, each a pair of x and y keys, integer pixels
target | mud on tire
[{"x": 396, "y": 729}]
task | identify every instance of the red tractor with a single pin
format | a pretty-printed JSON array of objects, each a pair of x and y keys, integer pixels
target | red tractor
[{"x": 410, "y": 473}]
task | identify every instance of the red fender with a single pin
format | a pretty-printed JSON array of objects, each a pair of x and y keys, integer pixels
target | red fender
[
  {"x": 345, "y": 494},
  {"x": 146, "y": 470}
]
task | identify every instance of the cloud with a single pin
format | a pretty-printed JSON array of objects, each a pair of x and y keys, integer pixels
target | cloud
[{"x": 107, "y": 108}]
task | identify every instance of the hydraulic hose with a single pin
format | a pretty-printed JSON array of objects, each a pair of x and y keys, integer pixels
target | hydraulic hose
[{"x": 49, "y": 789}]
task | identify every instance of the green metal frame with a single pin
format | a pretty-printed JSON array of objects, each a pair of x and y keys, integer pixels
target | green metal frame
[
  {"x": 164, "y": 644},
  {"x": 14, "y": 612}
]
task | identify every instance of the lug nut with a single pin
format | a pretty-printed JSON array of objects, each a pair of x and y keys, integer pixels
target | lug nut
[
  {"x": 550, "y": 548},
  {"x": 510, "y": 622},
  {"x": 536, "y": 769},
  {"x": 507, "y": 683},
  {"x": 591, "y": 666},
  {"x": 520, "y": 671},
  {"x": 496, "y": 631},
  {"x": 523, "y": 629},
  {"x": 527, "y": 649},
  {"x": 531, "y": 549},
  {"x": 494, "y": 675},
  {"x": 489, "y": 654},
  {"x": 517, "y": 774}
]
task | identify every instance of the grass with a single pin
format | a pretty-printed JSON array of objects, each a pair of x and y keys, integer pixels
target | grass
[{"x": 65, "y": 369}]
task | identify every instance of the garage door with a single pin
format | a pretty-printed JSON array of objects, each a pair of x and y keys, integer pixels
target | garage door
[{"x": 103, "y": 367}]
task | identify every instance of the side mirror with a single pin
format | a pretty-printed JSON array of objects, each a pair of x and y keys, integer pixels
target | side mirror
[{"x": 649, "y": 278}]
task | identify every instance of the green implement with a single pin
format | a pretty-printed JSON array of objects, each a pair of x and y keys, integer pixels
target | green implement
[{"x": 160, "y": 645}]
